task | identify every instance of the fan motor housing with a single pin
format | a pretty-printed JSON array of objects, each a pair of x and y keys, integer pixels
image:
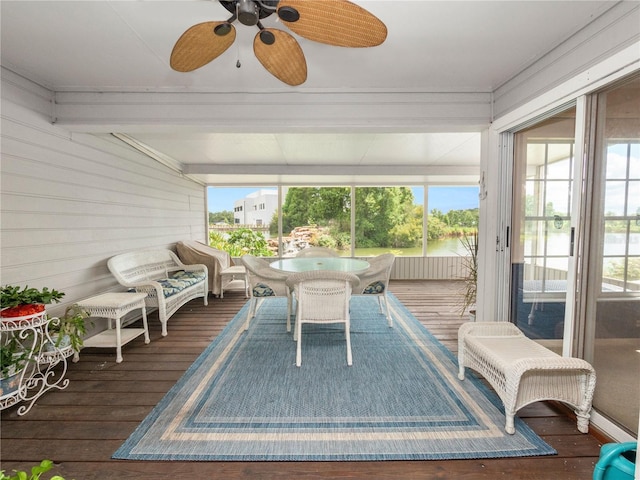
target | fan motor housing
[{"x": 250, "y": 11}]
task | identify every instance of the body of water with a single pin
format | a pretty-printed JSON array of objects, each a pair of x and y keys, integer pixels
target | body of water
[{"x": 447, "y": 247}]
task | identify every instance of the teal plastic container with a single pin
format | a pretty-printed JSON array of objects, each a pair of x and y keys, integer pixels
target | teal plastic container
[{"x": 617, "y": 461}]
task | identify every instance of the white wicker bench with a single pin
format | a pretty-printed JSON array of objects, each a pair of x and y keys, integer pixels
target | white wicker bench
[
  {"x": 522, "y": 371},
  {"x": 160, "y": 274}
]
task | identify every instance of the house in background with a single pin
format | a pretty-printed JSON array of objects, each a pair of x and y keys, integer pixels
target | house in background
[
  {"x": 257, "y": 208},
  {"x": 105, "y": 149}
]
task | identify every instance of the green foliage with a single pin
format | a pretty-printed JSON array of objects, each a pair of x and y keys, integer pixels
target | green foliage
[
  {"x": 436, "y": 228},
  {"x": 249, "y": 241},
  {"x": 409, "y": 234},
  {"x": 385, "y": 216},
  {"x": 36, "y": 472},
  {"x": 317, "y": 206},
  {"x": 379, "y": 211},
  {"x": 12, "y": 296},
  {"x": 456, "y": 222},
  {"x": 13, "y": 355},
  {"x": 225, "y": 216},
  {"x": 616, "y": 270},
  {"x": 240, "y": 242},
  {"x": 72, "y": 325}
]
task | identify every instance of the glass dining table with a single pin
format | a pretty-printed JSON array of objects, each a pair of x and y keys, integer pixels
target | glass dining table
[{"x": 305, "y": 264}]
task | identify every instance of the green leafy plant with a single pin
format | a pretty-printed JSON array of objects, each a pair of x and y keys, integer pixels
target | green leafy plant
[
  {"x": 16, "y": 302},
  {"x": 13, "y": 356},
  {"x": 36, "y": 472},
  {"x": 71, "y": 325}
]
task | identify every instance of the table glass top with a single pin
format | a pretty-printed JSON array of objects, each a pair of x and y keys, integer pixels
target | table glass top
[{"x": 305, "y": 264}]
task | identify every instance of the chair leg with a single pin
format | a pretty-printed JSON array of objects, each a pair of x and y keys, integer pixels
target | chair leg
[
  {"x": 250, "y": 312},
  {"x": 386, "y": 306},
  {"x": 299, "y": 345},
  {"x": 348, "y": 334},
  {"x": 289, "y": 300},
  {"x": 295, "y": 322}
]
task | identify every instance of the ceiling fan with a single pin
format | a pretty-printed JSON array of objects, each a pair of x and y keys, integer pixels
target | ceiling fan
[{"x": 333, "y": 22}]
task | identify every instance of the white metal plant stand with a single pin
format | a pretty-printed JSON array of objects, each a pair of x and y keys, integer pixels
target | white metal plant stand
[{"x": 43, "y": 356}]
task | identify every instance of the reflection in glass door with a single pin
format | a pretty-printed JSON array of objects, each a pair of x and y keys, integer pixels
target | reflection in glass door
[
  {"x": 544, "y": 169},
  {"x": 612, "y": 338}
]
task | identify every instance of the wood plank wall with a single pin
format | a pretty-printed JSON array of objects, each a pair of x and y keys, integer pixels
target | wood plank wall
[
  {"x": 428, "y": 268},
  {"x": 71, "y": 201}
]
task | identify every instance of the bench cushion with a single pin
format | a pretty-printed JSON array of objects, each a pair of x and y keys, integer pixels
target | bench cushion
[
  {"x": 505, "y": 350},
  {"x": 178, "y": 281}
]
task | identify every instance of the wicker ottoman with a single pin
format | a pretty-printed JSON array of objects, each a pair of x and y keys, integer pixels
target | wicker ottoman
[{"x": 522, "y": 371}]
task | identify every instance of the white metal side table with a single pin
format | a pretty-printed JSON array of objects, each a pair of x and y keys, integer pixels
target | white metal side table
[{"x": 114, "y": 306}]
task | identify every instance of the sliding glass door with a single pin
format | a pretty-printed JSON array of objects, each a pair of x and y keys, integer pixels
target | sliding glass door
[
  {"x": 612, "y": 337},
  {"x": 579, "y": 275},
  {"x": 541, "y": 236}
]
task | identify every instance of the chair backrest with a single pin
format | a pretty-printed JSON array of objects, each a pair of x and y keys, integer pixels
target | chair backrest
[
  {"x": 191, "y": 251},
  {"x": 323, "y": 295},
  {"x": 143, "y": 265},
  {"x": 379, "y": 271},
  {"x": 317, "y": 252},
  {"x": 261, "y": 275}
]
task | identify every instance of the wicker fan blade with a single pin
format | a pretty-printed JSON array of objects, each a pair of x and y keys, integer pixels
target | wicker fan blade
[
  {"x": 281, "y": 55},
  {"x": 199, "y": 45},
  {"x": 334, "y": 22}
]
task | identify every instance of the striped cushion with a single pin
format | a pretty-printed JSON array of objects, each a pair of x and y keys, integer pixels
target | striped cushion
[
  {"x": 178, "y": 281},
  {"x": 262, "y": 290},
  {"x": 374, "y": 288}
]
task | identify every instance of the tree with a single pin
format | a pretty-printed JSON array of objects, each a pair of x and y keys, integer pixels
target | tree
[
  {"x": 326, "y": 206},
  {"x": 225, "y": 216},
  {"x": 384, "y": 215}
]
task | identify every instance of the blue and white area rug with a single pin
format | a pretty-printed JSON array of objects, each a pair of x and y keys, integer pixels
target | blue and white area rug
[{"x": 244, "y": 399}]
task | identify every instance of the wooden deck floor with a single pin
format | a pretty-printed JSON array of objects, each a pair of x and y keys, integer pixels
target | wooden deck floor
[{"x": 80, "y": 427}]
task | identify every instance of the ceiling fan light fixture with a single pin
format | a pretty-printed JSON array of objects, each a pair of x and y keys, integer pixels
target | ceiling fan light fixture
[
  {"x": 289, "y": 14},
  {"x": 332, "y": 22},
  {"x": 222, "y": 29},
  {"x": 267, "y": 37},
  {"x": 248, "y": 12}
]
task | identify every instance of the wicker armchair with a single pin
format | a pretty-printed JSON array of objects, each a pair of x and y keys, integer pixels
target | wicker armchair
[
  {"x": 375, "y": 281},
  {"x": 317, "y": 252},
  {"x": 322, "y": 297},
  {"x": 192, "y": 252},
  {"x": 264, "y": 282}
]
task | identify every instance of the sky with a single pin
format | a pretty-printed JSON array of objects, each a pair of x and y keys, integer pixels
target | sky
[{"x": 441, "y": 198}]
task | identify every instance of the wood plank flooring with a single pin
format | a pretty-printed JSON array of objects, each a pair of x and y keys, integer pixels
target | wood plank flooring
[{"x": 80, "y": 427}]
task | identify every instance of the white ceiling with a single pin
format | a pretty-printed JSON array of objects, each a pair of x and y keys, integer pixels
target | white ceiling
[{"x": 432, "y": 46}]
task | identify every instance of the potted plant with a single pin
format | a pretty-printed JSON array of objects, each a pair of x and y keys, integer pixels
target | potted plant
[
  {"x": 13, "y": 360},
  {"x": 69, "y": 329},
  {"x": 470, "y": 263},
  {"x": 24, "y": 305},
  {"x": 16, "y": 302}
]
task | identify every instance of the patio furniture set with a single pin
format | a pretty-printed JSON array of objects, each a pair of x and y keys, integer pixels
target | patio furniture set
[{"x": 520, "y": 370}]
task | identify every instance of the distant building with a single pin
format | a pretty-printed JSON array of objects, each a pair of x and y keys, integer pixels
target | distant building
[{"x": 257, "y": 208}]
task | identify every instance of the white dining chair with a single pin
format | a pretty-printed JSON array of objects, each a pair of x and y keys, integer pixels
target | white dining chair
[
  {"x": 264, "y": 283},
  {"x": 375, "y": 281},
  {"x": 323, "y": 297}
]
